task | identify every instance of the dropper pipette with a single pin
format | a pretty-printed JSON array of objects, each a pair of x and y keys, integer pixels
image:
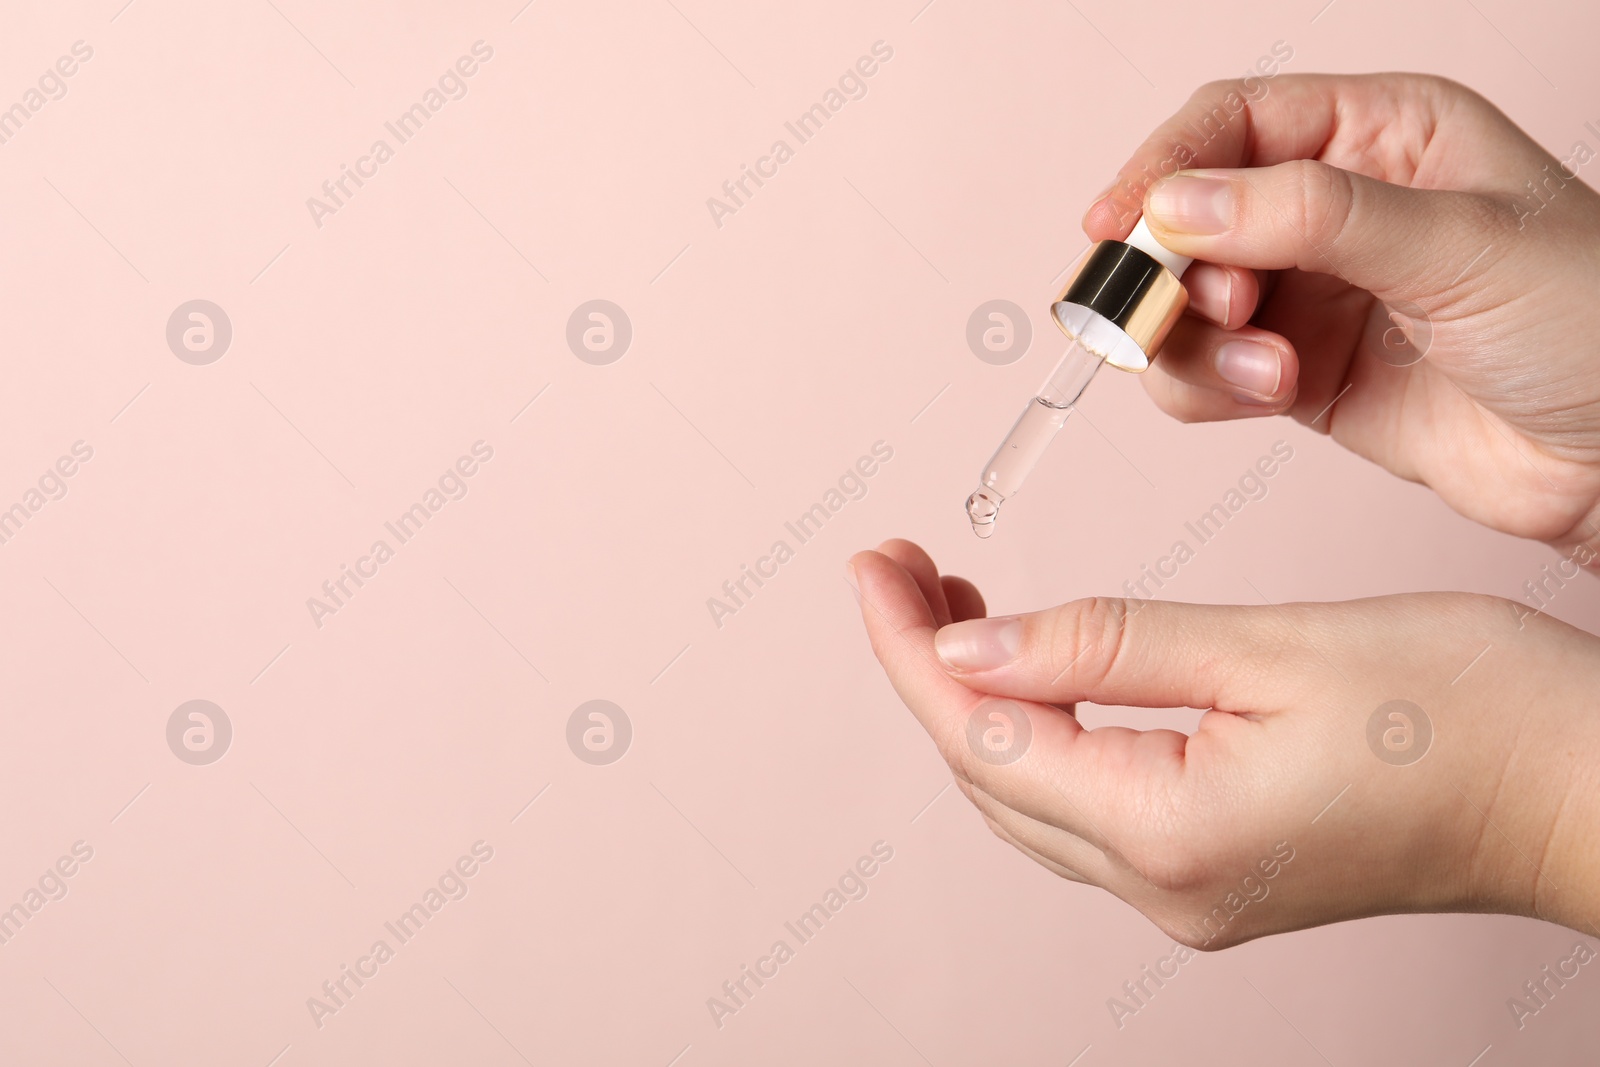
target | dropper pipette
[{"x": 1118, "y": 308}]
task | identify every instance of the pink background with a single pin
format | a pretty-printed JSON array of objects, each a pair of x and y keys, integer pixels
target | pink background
[{"x": 768, "y": 354}]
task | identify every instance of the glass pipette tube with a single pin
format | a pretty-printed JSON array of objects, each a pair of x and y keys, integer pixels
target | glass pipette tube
[
  {"x": 1122, "y": 300},
  {"x": 1035, "y": 428}
]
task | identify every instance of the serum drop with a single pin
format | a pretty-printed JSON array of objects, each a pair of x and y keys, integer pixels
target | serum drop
[{"x": 1117, "y": 308}]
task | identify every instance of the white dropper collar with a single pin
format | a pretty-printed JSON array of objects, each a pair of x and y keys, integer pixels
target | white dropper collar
[{"x": 1142, "y": 239}]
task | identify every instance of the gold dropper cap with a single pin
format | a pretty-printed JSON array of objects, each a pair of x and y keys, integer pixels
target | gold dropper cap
[{"x": 1131, "y": 290}]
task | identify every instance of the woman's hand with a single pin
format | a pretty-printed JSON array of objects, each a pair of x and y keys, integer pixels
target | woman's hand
[
  {"x": 1328, "y": 194},
  {"x": 1290, "y": 806}
]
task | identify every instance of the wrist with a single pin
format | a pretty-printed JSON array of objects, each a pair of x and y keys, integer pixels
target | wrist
[
  {"x": 1568, "y": 885},
  {"x": 1527, "y": 778},
  {"x": 1542, "y": 835}
]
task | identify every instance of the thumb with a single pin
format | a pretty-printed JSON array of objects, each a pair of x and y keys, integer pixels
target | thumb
[
  {"x": 1136, "y": 653},
  {"x": 1387, "y": 239}
]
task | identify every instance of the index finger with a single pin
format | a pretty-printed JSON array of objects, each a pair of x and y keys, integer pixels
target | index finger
[
  {"x": 1374, "y": 124},
  {"x": 1054, "y": 758}
]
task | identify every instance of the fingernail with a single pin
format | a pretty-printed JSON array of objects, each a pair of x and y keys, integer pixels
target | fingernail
[
  {"x": 1253, "y": 367},
  {"x": 1114, "y": 186},
  {"x": 1192, "y": 204},
  {"x": 850, "y": 571},
  {"x": 1210, "y": 294},
  {"x": 979, "y": 644}
]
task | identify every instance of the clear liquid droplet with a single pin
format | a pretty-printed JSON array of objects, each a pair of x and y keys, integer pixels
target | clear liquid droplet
[{"x": 982, "y": 508}]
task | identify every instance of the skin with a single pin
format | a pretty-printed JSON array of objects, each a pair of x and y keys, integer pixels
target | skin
[
  {"x": 1340, "y": 192},
  {"x": 1413, "y": 190}
]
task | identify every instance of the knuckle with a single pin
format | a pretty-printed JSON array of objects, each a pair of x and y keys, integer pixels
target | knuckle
[
  {"x": 1323, "y": 202},
  {"x": 1492, "y": 616},
  {"x": 1445, "y": 91},
  {"x": 1179, "y": 931},
  {"x": 1171, "y": 862},
  {"x": 1088, "y": 638},
  {"x": 1178, "y": 869},
  {"x": 1198, "y": 910},
  {"x": 1184, "y": 931},
  {"x": 1488, "y": 218},
  {"x": 1222, "y": 91}
]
